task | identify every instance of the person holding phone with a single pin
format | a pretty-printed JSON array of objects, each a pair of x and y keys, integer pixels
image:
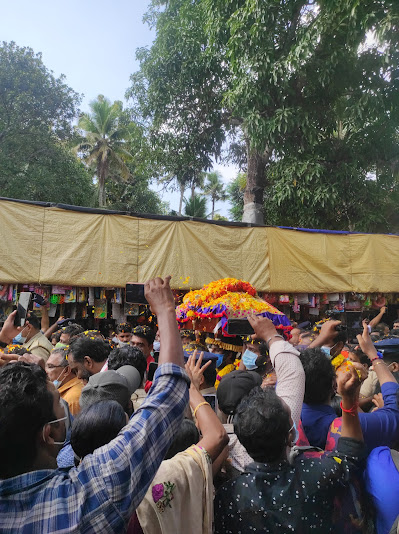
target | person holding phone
[{"x": 101, "y": 494}]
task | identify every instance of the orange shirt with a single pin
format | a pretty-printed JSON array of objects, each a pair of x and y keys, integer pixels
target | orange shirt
[{"x": 70, "y": 392}]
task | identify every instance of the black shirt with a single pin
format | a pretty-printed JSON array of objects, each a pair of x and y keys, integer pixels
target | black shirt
[{"x": 281, "y": 498}]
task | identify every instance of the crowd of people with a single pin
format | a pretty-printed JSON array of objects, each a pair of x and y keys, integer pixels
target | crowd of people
[{"x": 177, "y": 432}]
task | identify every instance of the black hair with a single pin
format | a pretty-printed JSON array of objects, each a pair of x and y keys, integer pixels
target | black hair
[
  {"x": 26, "y": 405},
  {"x": 96, "y": 349},
  {"x": 391, "y": 357},
  {"x": 145, "y": 332},
  {"x": 124, "y": 327},
  {"x": 319, "y": 376},
  {"x": 127, "y": 355},
  {"x": 210, "y": 375},
  {"x": 262, "y": 424},
  {"x": 336, "y": 405},
  {"x": 395, "y": 332},
  {"x": 380, "y": 327},
  {"x": 16, "y": 350},
  {"x": 186, "y": 436},
  {"x": 34, "y": 321},
  {"x": 73, "y": 330},
  {"x": 96, "y": 425},
  {"x": 56, "y": 336}
]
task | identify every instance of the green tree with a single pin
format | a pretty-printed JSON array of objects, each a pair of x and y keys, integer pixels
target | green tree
[
  {"x": 105, "y": 141},
  {"x": 297, "y": 82},
  {"x": 214, "y": 189},
  {"x": 195, "y": 206},
  {"x": 235, "y": 191},
  {"x": 36, "y": 114}
]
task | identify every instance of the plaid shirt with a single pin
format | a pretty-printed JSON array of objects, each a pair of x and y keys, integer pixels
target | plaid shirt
[{"x": 102, "y": 493}]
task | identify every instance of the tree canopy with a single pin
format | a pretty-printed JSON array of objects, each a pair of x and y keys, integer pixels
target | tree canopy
[
  {"x": 312, "y": 97},
  {"x": 36, "y": 113}
]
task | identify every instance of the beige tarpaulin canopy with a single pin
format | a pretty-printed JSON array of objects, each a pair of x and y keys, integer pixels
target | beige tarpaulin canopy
[{"x": 52, "y": 245}]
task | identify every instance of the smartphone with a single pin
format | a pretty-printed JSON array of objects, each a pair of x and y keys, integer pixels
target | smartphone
[
  {"x": 151, "y": 371},
  {"x": 213, "y": 401},
  {"x": 239, "y": 327},
  {"x": 135, "y": 293},
  {"x": 22, "y": 308}
]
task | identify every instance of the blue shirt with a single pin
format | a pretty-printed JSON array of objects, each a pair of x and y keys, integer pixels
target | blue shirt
[
  {"x": 382, "y": 483},
  {"x": 102, "y": 493},
  {"x": 379, "y": 428}
]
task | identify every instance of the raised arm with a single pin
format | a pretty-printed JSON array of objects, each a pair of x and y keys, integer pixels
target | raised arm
[
  {"x": 126, "y": 467},
  {"x": 162, "y": 303},
  {"x": 349, "y": 382},
  {"x": 384, "y": 375},
  {"x": 214, "y": 437},
  {"x": 284, "y": 357},
  {"x": 378, "y": 317}
]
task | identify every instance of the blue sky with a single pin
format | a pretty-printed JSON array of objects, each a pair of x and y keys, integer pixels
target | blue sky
[{"x": 92, "y": 42}]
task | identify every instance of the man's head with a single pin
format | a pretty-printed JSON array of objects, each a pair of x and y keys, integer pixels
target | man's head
[
  {"x": 263, "y": 424},
  {"x": 87, "y": 356},
  {"x": 258, "y": 348},
  {"x": 319, "y": 376},
  {"x": 124, "y": 332},
  {"x": 57, "y": 367},
  {"x": 187, "y": 336},
  {"x": 383, "y": 329},
  {"x": 69, "y": 333},
  {"x": 143, "y": 338},
  {"x": 128, "y": 355},
  {"x": 112, "y": 385},
  {"x": 31, "y": 329},
  {"x": 234, "y": 387},
  {"x": 32, "y": 423}
]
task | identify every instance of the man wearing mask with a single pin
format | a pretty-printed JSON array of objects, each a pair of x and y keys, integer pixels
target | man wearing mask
[
  {"x": 123, "y": 334},
  {"x": 33, "y": 340},
  {"x": 68, "y": 385}
]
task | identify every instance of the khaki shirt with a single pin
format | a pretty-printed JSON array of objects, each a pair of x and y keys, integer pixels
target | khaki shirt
[{"x": 39, "y": 345}]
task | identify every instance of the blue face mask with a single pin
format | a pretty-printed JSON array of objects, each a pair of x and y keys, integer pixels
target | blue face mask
[
  {"x": 219, "y": 361},
  {"x": 326, "y": 351},
  {"x": 19, "y": 338},
  {"x": 249, "y": 360},
  {"x": 296, "y": 435}
]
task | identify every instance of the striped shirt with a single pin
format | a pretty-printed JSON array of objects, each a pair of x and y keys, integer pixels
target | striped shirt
[{"x": 103, "y": 492}]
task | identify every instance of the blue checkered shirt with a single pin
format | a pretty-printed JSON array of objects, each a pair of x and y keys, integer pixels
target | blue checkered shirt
[{"x": 102, "y": 493}]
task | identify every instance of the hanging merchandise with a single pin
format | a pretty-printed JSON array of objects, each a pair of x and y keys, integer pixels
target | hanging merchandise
[
  {"x": 303, "y": 299},
  {"x": 70, "y": 295},
  {"x": 379, "y": 301},
  {"x": 52, "y": 309},
  {"x": 271, "y": 298},
  {"x": 117, "y": 313},
  {"x": 117, "y": 296},
  {"x": 296, "y": 307},
  {"x": 4, "y": 293},
  {"x": 312, "y": 301},
  {"x": 60, "y": 290},
  {"x": 82, "y": 294},
  {"x": 100, "y": 309},
  {"x": 314, "y": 311},
  {"x": 91, "y": 296},
  {"x": 324, "y": 299},
  {"x": 284, "y": 299},
  {"x": 367, "y": 302},
  {"x": 333, "y": 297}
]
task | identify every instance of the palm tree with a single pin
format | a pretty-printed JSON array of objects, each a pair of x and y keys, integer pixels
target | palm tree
[
  {"x": 195, "y": 206},
  {"x": 214, "y": 189},
  {"x": 104, "y": 143}
]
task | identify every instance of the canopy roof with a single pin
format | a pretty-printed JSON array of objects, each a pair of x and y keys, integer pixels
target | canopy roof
[{"x": 69, "y": 245}]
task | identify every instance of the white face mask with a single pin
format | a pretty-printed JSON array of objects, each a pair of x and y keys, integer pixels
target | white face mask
[
  {"x": 157, "y": 346},
  {"x": 67, "y": 421}
]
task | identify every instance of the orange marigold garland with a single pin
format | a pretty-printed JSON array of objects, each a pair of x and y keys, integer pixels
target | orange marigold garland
[{"x": 225, "y": 299}]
